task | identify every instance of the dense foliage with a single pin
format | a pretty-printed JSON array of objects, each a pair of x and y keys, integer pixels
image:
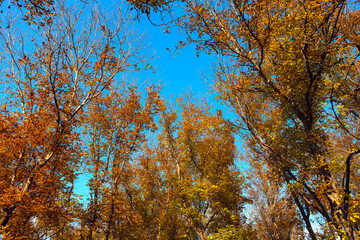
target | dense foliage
[{"x": 288, "y": 69}]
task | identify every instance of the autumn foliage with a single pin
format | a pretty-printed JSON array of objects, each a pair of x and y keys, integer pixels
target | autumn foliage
[
  {"x": 283, "y": 165},
  {"x": 289, "y": 71}
]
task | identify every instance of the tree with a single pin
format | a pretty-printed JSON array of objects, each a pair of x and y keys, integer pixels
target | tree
[
  {"x": 200, "y": 189},
  {"x": 181, "y": 186},
  {"x": 289, "y": 71},
  {"x": 272, "y": 210},
  {"x": 67, "y": 64},
  {"x": 116, "y": 127}
]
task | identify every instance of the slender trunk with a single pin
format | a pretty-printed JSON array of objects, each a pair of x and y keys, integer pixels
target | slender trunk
[
  {"x": 346, "y": 223},
  {"x": 8, "y": 212},
  {"x": 305, "y": 216},
  {"x": 109, "y": 223},
  {"x": 94, "y": 215}
]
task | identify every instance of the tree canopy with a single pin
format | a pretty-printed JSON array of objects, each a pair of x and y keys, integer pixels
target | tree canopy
[
  {"x": 289, "y": 69},
  {"x": 159, "y": 169}
]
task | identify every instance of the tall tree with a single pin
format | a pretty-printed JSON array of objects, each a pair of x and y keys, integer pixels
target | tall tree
[
  {"x": 116, "y": 127},
  {"x": 272, "y": 210},
  {"x": 289, "y": 71},
  {"x": 210, "y": 188},
  {"x": 51, "y": 77},
  {"x": 195, "y": 176}
]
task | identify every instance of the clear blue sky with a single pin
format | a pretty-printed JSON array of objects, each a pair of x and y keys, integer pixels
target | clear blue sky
[{"x": 178, "y": 72}]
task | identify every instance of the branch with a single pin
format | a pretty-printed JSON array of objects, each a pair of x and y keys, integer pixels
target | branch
[{"x": 347, "y": 183}]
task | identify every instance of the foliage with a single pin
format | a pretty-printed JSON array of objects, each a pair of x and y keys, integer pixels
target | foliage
[
  {"x": 66, "y": 110},
  {"x": 48, "y": 88},
  {"x": 272, "y": 210},
  {"x": 202, "y": 148},
  {"x": 287, "y": 68},
  {"x": 289, "y": 71},
  {"x": 38, "y": 12},
  {"x": 181, "y": 186},
  {"x": 116, "y": 127}
]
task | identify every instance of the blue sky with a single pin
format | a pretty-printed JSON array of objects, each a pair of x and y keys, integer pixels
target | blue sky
[
  {"x": 179, "y": 72},
  {"x": 176, "y": 72}
]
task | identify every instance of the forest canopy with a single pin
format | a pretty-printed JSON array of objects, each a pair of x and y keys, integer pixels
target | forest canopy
[{"x": 159, "y": 168}]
